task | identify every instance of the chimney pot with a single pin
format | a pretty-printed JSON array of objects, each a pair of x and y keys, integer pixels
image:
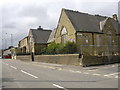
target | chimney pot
[{"x": 39, "y": 28}]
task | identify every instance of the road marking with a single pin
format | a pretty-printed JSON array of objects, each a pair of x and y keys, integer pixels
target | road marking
[
  {"x": 59, "y": 68},
  {"x": 29, "y": 74},
  {"x": 96, "y": 74},
  {"x": 59, "y": 86},
  {"x": 78, "y": 71},
  {"x": 111, "y": 74},
  {"x": 116, "y": 76},
  {"x": 13, "y": 67},
  {"x": 113, "y": 65}
]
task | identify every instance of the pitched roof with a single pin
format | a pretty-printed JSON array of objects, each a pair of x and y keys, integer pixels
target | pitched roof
[
  {"x": 51, "y": 37},
  {"x": 116, "y": 25},
  {"x": 86, "y": 22},
  {"x": 23, "y": 38},
  {"x": 40, "y": 36}
]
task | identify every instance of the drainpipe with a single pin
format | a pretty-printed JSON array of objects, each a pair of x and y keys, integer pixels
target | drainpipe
[{"x": 93, "y": 42}]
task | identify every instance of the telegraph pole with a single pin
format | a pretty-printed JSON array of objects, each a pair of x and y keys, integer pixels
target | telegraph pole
[{"x": 11, "y": 39}]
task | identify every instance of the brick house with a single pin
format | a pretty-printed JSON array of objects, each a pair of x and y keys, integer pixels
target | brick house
[{"x": 93, "y": 34}]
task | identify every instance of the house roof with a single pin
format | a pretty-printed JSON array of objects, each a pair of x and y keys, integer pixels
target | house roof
[
  {"x": 23, "y": 38},
  {"x": 51, "y": 37},
  {"x": 88, "y": 23},
  {"x": 40, "y": 35},
  {"x": 116, "y": 25}
]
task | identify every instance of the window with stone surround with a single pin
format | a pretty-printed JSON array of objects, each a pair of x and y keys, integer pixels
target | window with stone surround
[{"x": 63, "y": 35}]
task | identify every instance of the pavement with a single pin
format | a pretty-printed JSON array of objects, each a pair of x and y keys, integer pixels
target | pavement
[{"x": 19, "y": 74}]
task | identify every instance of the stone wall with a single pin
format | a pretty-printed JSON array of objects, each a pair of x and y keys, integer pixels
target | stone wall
[
  {"x": 99, "y": 60},
  {"x": 24, "y": 57},
  {"x": 72, "y": 59}
]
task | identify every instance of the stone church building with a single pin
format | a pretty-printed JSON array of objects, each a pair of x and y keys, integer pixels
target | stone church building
[{"x": 93, "y": 34}]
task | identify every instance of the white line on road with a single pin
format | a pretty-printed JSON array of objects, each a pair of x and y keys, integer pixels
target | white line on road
[
  {"x": 59, "y": 68},
  {"x": 13, "y": 67},
  {"x": 59, "y": 86},
  {"x": 78, "y": 71},
  {"x": 113, "y": 65},
  {"x": 96, "y": 74},
  {"x": 116, "y": 77},
  {"x": 111, "y": 74},
  {"x": 29, "y": 74}
]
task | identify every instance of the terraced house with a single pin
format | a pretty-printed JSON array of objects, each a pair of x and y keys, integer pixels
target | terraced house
[
  {"x": 24, "y": 45},
  {"x": 93, "y": 34},
  {"x": 35, "y": 41},
  {"x": 38, "y": 39}
]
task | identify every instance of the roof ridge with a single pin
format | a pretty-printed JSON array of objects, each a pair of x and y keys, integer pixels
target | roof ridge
[{"x": 86, "y": 13}]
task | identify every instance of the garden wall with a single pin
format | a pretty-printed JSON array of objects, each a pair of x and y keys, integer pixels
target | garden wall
[
  {"x": 71, "y": 59},
  {"x": 24, "y": 57}
]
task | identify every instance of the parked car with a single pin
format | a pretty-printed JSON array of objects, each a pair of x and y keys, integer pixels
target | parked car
[{"x": 7, "y": 56}]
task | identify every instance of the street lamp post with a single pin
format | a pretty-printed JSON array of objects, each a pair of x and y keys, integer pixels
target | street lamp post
[{"x": 11, "y": 39}]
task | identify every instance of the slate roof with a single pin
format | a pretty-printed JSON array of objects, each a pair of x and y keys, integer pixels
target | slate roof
[
  {"x": 51, "y": 37},
  {"x": 40, "y": 36},
  {"x": 116, "y": 25},
  {"x": 88, "y": 23}
]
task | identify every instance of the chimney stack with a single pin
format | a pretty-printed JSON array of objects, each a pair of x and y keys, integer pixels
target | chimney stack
[
  {"x": 39, "y": 28},
  {"x": 114, "y": 16}
]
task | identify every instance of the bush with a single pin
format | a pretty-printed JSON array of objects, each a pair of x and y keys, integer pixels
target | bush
[
  {"x": 53, "y": 48},
  {"x": 69, "y": 48}
]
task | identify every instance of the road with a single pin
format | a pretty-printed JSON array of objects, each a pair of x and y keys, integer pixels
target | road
[{"x": 18, "y": 74}]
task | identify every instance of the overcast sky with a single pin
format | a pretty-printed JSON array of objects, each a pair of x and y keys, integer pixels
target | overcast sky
[{"x": 18, "y": 16}]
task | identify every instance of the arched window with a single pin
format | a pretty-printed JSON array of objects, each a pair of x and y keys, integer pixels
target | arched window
[{"x": 63, "y": 35}]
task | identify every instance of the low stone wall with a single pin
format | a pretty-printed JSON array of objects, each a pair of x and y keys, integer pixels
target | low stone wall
[
  {"x": 24, "y": 57},
  {"x": 97, "y": 60},
  {"x": 71, "y": 59}
]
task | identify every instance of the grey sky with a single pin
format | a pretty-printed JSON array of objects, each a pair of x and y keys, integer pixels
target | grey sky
[{"x": 18, "y": 16}]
